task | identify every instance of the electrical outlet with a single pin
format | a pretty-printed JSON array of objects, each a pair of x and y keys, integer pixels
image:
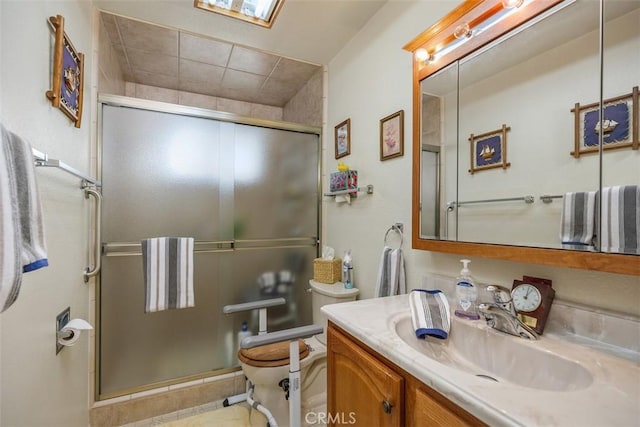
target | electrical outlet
[{"x": 61, "y": 320}]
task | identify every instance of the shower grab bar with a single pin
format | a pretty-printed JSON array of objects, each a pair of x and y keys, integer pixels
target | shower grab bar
[
  {"x": 131, "y": 248},
  {"x": 134, "y": 248},
  {"x": 97, "y": 260},
  {"x": 42, "y": 159},
  {"x": 527, "y": 199},
  {"x": 546, "y": 198}
]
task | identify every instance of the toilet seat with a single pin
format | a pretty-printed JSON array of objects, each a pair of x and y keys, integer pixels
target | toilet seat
[{"x": 271, "y": 355}]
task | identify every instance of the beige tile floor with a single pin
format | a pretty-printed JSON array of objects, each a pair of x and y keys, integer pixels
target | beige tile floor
[{"x": 210, "y": 415}]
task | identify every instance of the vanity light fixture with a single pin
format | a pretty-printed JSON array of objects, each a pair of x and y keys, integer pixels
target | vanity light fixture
[
  {"x": 259, "y": 12},
  {"x": 465, "y": 30}
]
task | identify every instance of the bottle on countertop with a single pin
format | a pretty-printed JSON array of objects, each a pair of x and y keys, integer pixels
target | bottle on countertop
[
  {"x": 347, "y": 270},
  {"x": 466, "y": 294}
]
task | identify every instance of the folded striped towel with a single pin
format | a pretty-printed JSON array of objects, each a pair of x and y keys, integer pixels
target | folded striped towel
[
  {"x": 430, "y": 313},
  {"x": 578, "y": 219},
  {"x": 22, "y": 243},
  {"x": 620, "y": 226},
  {"x": 168, "y": 273}
]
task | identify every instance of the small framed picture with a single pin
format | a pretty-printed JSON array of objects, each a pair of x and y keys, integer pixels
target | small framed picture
[
  {"x": 392, "y": 136},
  {"x": 343, "y": 139},
  {"x": 619, "y": 124},
  {"x": 489, "y": 150},
  {"x": 68, "y": 74}
]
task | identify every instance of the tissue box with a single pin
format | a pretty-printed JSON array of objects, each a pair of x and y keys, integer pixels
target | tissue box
[
  {"x": 347, "y": 180},
  {"x": 327, "y": 270}
]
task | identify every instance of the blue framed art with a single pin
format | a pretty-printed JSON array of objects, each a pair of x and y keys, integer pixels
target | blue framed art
[
  {"x": 68, "y": 74},
  {"x": 619, "y": 128},
  {"x": 489, "y": 150}
]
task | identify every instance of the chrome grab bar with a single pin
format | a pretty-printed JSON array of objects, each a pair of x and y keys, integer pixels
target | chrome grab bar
[
  {"x": 97, "y": 261},
  {"x": 526, "y": 199}
]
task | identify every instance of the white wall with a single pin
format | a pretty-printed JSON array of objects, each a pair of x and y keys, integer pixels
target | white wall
[
  {"x": 368, "y": 80},
  {"x": 39, "y": 388}
]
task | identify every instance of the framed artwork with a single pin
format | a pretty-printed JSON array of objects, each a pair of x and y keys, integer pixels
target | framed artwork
[
  {"x": 489, "y": 150},
  {"x": 343, "y": 139},
  {"x": 392, "y": 136},
  {"x": 68, "y": 74},
  {"x": 619, "y": 124}
]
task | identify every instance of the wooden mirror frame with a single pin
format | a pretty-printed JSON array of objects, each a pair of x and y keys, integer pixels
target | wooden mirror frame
[{"x": 441, "y": 33}]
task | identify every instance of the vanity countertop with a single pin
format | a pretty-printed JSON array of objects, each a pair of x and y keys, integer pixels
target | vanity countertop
[{"x": 612, "y": 399}]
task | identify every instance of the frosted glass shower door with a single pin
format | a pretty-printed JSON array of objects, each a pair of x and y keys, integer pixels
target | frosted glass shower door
[
  {"x": 247, "y": 194},
  {"x": 161, "y": 177}
]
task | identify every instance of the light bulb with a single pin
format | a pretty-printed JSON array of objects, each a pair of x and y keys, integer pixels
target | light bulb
[
  {"x": 462, "y": 31},
  {"x": 510, "y": 4},
  {"x": 421, "y": 54}
]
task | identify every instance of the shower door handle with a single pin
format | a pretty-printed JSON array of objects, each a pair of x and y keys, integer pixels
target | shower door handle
[{"x": 97, "y": 261}]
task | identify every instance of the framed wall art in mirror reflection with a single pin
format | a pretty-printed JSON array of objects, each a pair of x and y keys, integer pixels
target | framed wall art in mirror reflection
[
  {"x": 392, "y": 136},
  {"x": 489, "y": 150},
  {"x": 67, "y": 74},
  {"x": 619, "y": 124},
  {"x": 343, "y": 139}
]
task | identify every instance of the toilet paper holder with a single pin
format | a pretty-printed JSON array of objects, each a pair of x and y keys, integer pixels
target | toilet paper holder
[{"x": 68, "y": 330}]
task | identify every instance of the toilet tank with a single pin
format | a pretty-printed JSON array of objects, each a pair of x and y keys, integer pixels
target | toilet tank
[{"x": 323, "y": 294}]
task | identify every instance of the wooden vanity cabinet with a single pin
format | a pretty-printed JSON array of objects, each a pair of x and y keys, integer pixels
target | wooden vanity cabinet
[{"x": 365, "y": 389}]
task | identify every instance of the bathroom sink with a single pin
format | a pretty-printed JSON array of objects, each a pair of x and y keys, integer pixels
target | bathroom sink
[{"x": 478, "y": 350}]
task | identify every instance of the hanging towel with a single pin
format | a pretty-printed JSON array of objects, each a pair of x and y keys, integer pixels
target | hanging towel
[
  {"x": 391, "y": 275},
  {"x": 22, "y": 244},
  {"x": 168, "y": 273},
  {"x": 430, "y": 313},
  {"x": 578, "y": 220},
  {"x": 620, "y": 226}
]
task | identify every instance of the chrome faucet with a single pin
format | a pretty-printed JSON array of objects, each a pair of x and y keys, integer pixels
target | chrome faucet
[{"x": 501, "y": 314}]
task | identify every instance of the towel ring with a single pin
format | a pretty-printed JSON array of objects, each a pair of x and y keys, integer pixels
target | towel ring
[{"x": 397, "y": 230}]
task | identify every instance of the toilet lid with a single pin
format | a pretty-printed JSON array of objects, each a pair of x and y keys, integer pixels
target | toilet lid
[{"x": 271, "y": 355}]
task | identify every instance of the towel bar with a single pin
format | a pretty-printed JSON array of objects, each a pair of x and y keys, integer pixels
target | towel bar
[{"x": 42, "y": 159}]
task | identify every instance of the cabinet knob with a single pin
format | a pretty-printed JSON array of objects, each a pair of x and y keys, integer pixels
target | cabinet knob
[{"x": 386, "y": 407}]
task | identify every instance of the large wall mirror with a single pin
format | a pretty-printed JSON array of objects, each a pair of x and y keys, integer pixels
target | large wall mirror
[{"x": 526, "y": 133}]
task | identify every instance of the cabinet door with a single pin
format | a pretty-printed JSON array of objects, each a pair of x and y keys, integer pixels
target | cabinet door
[
  {"x": 361, "y": 390},
  {"x": 425, "y": 407}
]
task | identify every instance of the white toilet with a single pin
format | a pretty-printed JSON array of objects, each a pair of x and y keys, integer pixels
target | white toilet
[{"x": 268, "y": 365}]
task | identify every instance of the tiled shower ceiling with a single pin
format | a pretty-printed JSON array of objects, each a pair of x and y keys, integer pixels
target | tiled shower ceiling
[{"x": 168, "y": 58}]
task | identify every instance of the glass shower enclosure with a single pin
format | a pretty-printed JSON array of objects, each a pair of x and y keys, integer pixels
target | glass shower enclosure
[{"x": 246, "y": 190}]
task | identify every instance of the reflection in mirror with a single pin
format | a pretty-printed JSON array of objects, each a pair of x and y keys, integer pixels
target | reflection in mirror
[
  {"x": 503, "y": 124},
  {"x": 439, "y": 110}
]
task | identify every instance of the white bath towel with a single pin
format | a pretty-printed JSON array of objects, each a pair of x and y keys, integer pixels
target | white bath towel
[
  {"x": 577, "y": 223},
  {"x": 22, "y": 244},
  {"x": 620, "y": 226},
  {"x": 430, "y": 313},
  {"x": 168, "y": 273},
  {"x": 391, "y": 274}
]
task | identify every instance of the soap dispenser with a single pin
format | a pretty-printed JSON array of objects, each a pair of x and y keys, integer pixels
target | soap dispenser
[{"x": 466, "y": 294}]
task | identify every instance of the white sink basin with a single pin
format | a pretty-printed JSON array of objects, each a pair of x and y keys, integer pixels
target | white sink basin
[{"x": 478, "y": 350}]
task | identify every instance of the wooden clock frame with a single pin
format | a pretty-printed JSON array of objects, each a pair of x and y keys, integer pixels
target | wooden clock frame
[{"x": 537, "y": 318}]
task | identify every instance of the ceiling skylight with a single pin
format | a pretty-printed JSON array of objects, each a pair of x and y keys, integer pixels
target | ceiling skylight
[{"x": 259, "y": 12}]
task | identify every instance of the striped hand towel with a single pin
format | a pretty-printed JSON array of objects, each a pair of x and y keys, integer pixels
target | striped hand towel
[
  {"x": 430, "y": 313},
  {"x": 22, "y": 243},
  {"x": 391, "y": 273},
  {"x": 620, "y": 226},
  {"x": 578, "y": 219},
  {"x": 168, "y": 273}
]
